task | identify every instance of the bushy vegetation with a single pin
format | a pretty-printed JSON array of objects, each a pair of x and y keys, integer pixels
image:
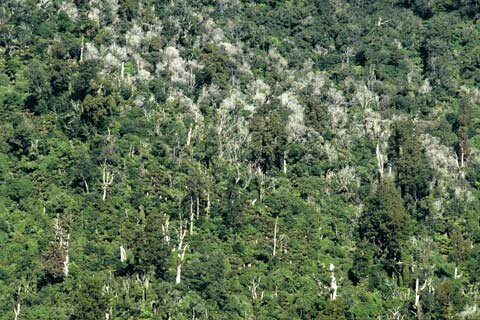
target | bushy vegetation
[{"x": 239, "y": 159}]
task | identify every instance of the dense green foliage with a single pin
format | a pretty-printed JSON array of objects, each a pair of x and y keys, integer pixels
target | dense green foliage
[{"x": 239, "y": 159}]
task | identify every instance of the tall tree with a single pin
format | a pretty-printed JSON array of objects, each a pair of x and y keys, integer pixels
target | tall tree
[
  {"x": 410, "y": 162},
  {"x": 387, "y": 225},
  {"x": 269, "y": 136},
  {"x": 90, "y": 303},
  {"x": 462, "y": 147}
]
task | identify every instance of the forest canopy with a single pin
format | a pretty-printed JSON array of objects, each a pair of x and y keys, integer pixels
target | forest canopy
[{"x": 213, "y": 159}]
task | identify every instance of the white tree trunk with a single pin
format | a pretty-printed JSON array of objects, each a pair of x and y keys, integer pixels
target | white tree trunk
[
  {"x": 418, "y": 291},
  {"x": 81, "y": 50},
  {"x": 275, "y": 237},
  {"x": 192, "y": 216},
  {"x": 207, "y": 209},
  {"x": 253, "y": 289},
  {"x": 178, "y": 278},
  {"x": 165, "y": 231},
  {"x": 66, "y": 261},
  {"x": 198, "y": 208},
  {"x": 379, "y": 161},
  {"x": 189, "y": 136},
  {"x": 123, "y": 254},
  {"x": 457, "y": 274},
  {"x": 17, "y": 311},
  {"x": 107, "y": 180},
  {"x": 333, "y": 283},
  {"x": 181, "y": 249}
]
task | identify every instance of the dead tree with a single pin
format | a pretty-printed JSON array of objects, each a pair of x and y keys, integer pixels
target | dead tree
[
  {"x": 209, "y": 205},
  {"x": 275, "y": 229},
  {"x": 181, "y": 249},
  {"x": 123, "y": 254},
  {"x": 107, "y": 179},
  {"x": 456, "y": 274},
  {"x": 189, "y": 136},
  {"x": 253, "y": 286},
  {"x": 144, "y": 283},
  {"x": 81, "y": 50},
  {"x": 17, "y": 311},
  {"x": 192, "y": 216},
  {"x": 57, "y": 260},
  {"x": 380, "y": 161},
  {"x": 198, "y": 207},
  {"x": 165, "y": 231},
  {"x": 418, "y": 291},
  {"x": 333, "y": 283}
]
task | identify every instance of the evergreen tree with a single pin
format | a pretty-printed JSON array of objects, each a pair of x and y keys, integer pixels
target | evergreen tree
[
  {"x": 269, "y": 136},
  {"x": 461, "y": 127},
  {"x": 411, "y": 165},
  {"x": 386, "y": 225},
  {"x": 89, "y": 301}
]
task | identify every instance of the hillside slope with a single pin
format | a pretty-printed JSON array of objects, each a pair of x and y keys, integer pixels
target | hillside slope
[{"x": 212, "y": 159}]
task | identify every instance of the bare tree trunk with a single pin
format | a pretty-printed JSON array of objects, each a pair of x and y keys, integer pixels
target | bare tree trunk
[
  {"x": 107, "y": 179},
  {"x": 379, "y": 161},
  {"x": 189, "y": 136},
  {"x": 207, "y": 209},
  {"x": 81, "y": 51},
  {"x": 63, "y": 244},
  {"x": 198, "y": 208},
  {"x": 275, "y": 237},
  {"x": 418, "y": 291},
  {"x": 123, "y": 254},
  {"x": 182, "y": 247},
  {"x": 166, "y": 233},
  {"x": 17, "y": 311},
  {"x": 456, "y": 274},
  {"x": 253, "y": 289},
  {"x": 144, "y": 283},
  {"x": 192, "y": 216},
  {"x": 66, "y": 261},
  {"x": 333, "y": 283}
]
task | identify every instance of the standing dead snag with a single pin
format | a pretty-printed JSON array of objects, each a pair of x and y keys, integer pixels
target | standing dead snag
[
  {"x": 165, "y": 230},
  {"x": 22, "y": 289},
  {"x": 275, "y": 229},
  {"x": 82, "y": 46},
  {"x": 107, "y": 179},
  {"x": 62, "y": 242},
  {"x": 56, "y": 260},
  {"x": 189, "y": 136},
  {"x": 253, "y": 289},
  {"x": 418, "y": 291},
  {"x": 17, "y": 310},
  {"x": 144, "y": 282},
  {"x": 181, "y": 248},
  {"x": 380, "y": 161},
  {"x": 18, "y": 307},
  {"x": 192, "y": 216},
  {"x": 333, "y": 283},
  {"x": 123, "y": 254}
]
